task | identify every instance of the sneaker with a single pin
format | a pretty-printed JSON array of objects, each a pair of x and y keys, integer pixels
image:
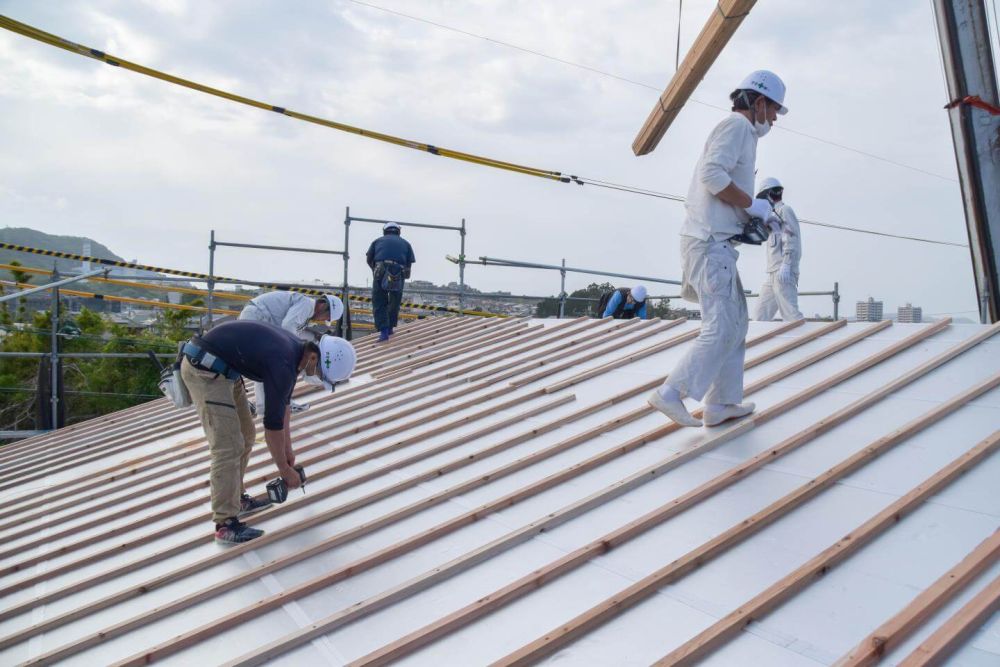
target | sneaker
[
  {"x": 233, "y": 532},
  {"x": 250, "y": 505},
  {"x": 383, "y": 335},
  {"x": 298, "y": 407},
  {"x": 674, "y": 409},
  {"x": 716, "y": 414}
]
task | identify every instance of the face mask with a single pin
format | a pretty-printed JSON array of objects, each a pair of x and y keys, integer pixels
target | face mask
[{"x": 761, "y": 129}]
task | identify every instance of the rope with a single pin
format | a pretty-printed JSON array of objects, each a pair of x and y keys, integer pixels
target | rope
[
  {"x": 975, "y": 101},
  {"x": 82, "y": 50}
]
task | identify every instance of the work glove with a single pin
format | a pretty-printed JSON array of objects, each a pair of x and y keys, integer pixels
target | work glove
[
  {"x": 760, "y": 208},
  {"x": 785, "y": 276}
]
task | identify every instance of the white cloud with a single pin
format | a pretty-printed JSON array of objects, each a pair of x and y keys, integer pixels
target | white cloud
[{"x": 149, "y": 168}]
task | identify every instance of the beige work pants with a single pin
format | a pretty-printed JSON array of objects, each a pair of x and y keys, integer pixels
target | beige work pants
[{"x": 229, "y": 428}]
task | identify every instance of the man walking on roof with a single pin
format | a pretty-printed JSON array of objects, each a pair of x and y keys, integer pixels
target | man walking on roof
[
  {"x": 624, "y": 303},
  {"x": 780, "y": 291},
  {"x": 389, "y": 258},
  {"x": 291, "y": 311},
  {"x": 719, "y": 208},
  {"x": 213, "y": 368}
]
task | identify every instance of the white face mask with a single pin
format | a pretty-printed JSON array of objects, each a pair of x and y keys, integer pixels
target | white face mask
[{"x": 761, "y": 129}]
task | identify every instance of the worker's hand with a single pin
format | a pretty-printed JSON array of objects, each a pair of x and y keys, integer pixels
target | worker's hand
[
  {"x": 291, "y": 476},
  {"x": 785, "y": 276},
  {"x": 760, "y": 208}
]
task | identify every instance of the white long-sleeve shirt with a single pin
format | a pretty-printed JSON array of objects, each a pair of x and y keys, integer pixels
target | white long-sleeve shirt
[
  {"x": 728, "y": 157},
  {"x": 289, "y": 310},
  {"x": 785, "y": 247}
]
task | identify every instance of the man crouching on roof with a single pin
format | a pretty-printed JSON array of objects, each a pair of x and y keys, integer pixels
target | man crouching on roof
[{"x": 213, "y": 369}]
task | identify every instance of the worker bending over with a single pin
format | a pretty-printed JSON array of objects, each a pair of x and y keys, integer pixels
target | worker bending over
[
  {"x": 719, "y": 208},
  {"x": 624, "y": 303},
  {"x": 213, "y": 368},
  {"x": 780, "y": 291},
  {"x": 291, "y": 311},
  {"x": 389, "y": 258}
]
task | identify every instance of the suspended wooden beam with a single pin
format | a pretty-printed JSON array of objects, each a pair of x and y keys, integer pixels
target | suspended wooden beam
[
  {"x": 725, "y": 18},
  {"x": 948, "y": 638},
  {"x": 727, "y": 627},
  {"x": 893, "y": 632}
]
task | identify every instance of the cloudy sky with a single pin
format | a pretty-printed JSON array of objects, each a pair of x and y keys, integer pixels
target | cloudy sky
[{"x": 149, "y": 168}]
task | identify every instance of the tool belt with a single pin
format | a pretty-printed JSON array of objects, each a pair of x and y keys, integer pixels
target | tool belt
[{"x": 205, "y": 360}]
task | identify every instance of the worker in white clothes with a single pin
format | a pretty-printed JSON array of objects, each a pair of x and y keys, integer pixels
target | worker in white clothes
[
  {"x": 720, "y": 209},
  {"x": 780, "y": 291},
  {"x": 291, "y": 311}
]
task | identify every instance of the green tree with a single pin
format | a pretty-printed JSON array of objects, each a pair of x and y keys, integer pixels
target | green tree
[
  {"x": 20, "y": 276},
  {"x": 578, "y": 303}
]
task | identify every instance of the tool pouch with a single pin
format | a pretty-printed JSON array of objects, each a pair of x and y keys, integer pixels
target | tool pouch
[{"x": 172, "y": 384}]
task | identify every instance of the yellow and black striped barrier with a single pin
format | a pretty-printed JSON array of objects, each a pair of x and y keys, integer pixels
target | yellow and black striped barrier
[
  {"x": 58, "y": 254},
  {"x": 164, "y": 288},
  {"x": 127, "y": 299}
]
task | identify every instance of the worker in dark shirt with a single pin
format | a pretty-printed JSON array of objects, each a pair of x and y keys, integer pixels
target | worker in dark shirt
[
  {"x": 389, "y": 258},
  {"x": 213, "y": 369}
]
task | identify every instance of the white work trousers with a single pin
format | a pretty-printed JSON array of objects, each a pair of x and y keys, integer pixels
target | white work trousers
[
  {"x": 712, "y": 368},
  {"x": 778, "y": 297}
]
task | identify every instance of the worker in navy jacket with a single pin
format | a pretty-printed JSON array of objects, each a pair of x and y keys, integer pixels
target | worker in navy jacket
[
  {"x": 389, "y": 258},
  {"x": 625, "y": 303}
]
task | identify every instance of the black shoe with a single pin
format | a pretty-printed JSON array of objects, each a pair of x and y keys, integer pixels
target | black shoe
[
  {"x": 250, "y": 505},
  {"x": 233, "y": 532}
]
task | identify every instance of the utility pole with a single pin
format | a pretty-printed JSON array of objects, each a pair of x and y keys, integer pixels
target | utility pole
[{"x": 974, "y": 112}]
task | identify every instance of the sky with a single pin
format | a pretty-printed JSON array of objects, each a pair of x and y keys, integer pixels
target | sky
[{"x": 149, "y": 169}]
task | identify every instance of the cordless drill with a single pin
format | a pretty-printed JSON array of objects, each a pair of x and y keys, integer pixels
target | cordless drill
[{"x": 277, "y": 489}]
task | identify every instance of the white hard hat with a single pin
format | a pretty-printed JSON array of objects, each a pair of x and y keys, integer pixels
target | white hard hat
[
  {"x": 767, "y": 84},
  {"x": 768, "y": 183},
  {"x": 336, "y": 359},
  {"x": 390, "y": 225},
  {"x": 638, "y": 293},
  {"x": 336, "y": 307}
]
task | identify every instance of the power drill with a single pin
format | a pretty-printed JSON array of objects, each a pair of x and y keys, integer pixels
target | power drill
[{"x": 277, "y": 490}]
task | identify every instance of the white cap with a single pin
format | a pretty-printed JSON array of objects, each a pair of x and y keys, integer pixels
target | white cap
[
  {"x": 390, "y": 225},
  {"x": 767, "y": 84},
  {"x": 336, "y": 307},
  {"x": 336, "y": 359},
  {"x": 638, "y": 293},
  {"x": 768, "y": 183}
]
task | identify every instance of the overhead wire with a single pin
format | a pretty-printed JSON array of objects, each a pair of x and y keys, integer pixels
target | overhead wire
[
  {"x": 641, "y": 84},
  {"x": 58, "y": 42}
]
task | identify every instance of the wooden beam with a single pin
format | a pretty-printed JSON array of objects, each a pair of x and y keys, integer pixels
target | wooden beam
[
  {"x": 369, "y": 398},
  {"x": 936, "y": 649},
  {"x": 263, "y": 461},
  {"x": 373, "y": 604},
  {"x": 816, "y": 567},
  {"x": 162, "y": 554},
  {"x": 893, "y": 632},
  {"x": 725, "y": 18}
]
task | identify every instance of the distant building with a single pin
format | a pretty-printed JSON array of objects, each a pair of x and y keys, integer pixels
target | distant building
[
  {"x": 869, "y": 311},
  {"x": 910, "y": 314}
]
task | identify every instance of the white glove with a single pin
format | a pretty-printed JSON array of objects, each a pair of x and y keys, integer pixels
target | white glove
[
  {"x": 785, "y": 275},
  {"x": 760, "y": 208}
]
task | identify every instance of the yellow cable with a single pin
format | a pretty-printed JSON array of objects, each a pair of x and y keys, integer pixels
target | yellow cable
[{"x": 79, "y": 49}]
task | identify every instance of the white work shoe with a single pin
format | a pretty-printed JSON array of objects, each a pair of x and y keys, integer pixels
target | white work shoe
[
  {"x": 298, "y": 407},
  {"x": 672, "y": 408},
  {"x": 716, "y": 414}
]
